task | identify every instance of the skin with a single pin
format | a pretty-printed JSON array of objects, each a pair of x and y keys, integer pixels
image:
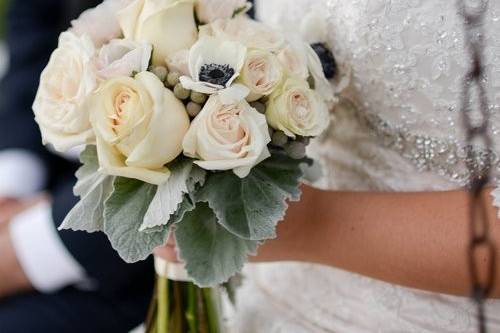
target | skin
[
  {"x": 13, "y": 280},
  {"x": 416, "y": 240}
]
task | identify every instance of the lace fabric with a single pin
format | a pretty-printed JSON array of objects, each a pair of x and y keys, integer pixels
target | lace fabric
[{"x": 397, "y": 129}]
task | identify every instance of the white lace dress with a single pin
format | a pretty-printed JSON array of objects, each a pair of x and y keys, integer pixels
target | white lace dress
[{"x": 404, "y": 134}]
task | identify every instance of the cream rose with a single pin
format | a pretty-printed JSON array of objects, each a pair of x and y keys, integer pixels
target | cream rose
[
  {"x": 168, "y": 25},
  {"x": 122, "y": 57},
  {"x": 101, "y": 22},
  {"x": 228, "y": 137},
  {"x": 294, "y": 60},
  {"x": 297, "y": 110},
  {"x": 65, "y": 84},
  {"x": 261, "y": 74},
  {"x": 242, "y": 29},
  {"x": 139, "y": 126},
  {"x": 210, "y": 10}
]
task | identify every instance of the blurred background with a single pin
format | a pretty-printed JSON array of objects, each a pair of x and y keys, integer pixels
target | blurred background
[
  {"x": 3, "y": 56},
  {"x": 51, "y": 281}
]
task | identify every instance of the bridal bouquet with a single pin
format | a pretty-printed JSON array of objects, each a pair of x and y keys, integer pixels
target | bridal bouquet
[{"x": 195, "y": 120}]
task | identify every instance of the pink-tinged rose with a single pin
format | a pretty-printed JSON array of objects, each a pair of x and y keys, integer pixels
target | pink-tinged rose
[
  {"x": 296, "y": 109},
  {"x": 101, "y": 22},
  {"x": 228, "y": 137},
  {"x": 261, "y": 74},
  {"x": 293, "y": 58},
  {"x": 122, "y": 57}
]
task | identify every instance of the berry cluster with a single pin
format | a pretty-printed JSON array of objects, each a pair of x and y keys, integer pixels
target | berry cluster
[{"x": 193, "y": 100}]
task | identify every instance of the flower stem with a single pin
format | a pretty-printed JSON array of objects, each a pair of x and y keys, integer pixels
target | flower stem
[
  {"x": 212, "y": 310},
  {"x": 178, "y": 313},
  {"x": 163, "y": 305},
  {"x": 191, "y": 314}
]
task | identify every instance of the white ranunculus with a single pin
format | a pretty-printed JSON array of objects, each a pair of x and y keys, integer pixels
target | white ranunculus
[
  {"x": 139, "y": 126},
  {"x": 65, "y": 84},
  {"x": 261, "y": 73},
  {"x": 122, "y": 57},
  {"x": 210, "y": 10},
  {"x": 295, "y": 109},
  {"x": 228, "y": 137},
  {"x": 214, "y": 64},
  {"x": 168, "y": 25},
  {"x": 293, "y": 58},
  {"x": 252, "y": 34},
  {"x": 101, "y": 22}
]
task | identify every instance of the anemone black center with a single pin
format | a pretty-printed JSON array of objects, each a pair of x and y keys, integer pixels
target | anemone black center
[
  {"x": 216, "y": 74},
  {"x": 327, "y": 59}
]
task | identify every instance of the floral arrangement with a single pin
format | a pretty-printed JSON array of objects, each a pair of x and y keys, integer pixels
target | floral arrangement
[{"x": 194, "y": 118}]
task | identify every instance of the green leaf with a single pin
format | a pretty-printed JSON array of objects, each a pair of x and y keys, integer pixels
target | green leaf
[
  {"x": 212, "y": 254},
  {"x": 251, "y": 207},
  {"x": 123, "y": 215},
  {"x": 87, "y": 174},
  {"x": 184, "y": 177},
  {"x": 93, "y": 188}
]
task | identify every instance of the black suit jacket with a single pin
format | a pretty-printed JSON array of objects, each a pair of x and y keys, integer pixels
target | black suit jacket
[{"x": 123, "y": 291}]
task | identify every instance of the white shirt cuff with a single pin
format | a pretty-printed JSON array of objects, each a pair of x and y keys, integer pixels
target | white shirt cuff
[
  {"x": 45, "y": 260},
  {"x": 21, "y": 173}
]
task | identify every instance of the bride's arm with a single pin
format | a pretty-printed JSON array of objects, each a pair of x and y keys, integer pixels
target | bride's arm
[{"x": 417, "y": 240}]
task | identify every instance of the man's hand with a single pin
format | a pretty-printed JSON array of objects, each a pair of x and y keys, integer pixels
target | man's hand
[
  {"x": 12, "y": 277},
  {"x": 9, "y": 207}
]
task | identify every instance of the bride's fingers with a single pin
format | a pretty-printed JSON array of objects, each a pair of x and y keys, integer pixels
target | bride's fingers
[
  {"x": 167, "y": 253},
  {"x": 171, "y": 240}
]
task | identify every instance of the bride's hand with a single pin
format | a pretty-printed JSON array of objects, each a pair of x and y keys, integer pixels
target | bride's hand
[{"x": 168, "y": 251}]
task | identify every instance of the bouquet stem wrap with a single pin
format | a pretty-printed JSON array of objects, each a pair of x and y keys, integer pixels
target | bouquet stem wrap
[{"x": 179, "y": 306}]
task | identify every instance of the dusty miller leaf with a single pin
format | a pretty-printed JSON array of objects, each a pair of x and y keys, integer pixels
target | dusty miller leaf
[
  {"x": 123, "y": 215},
  {"x": 251, "y": 207},
  {"x": 184, "y": 177},
  {"x": 212, "y": 254},
  {"x": 93, "y": 188}
]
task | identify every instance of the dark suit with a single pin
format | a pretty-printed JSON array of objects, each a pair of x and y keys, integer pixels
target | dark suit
[{"x": 123, "y": 291}]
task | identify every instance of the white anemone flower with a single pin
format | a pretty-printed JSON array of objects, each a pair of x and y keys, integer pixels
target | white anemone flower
[{"x": 214, "y": 64}]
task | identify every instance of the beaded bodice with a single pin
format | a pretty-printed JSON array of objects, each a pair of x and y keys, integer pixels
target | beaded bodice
[
  {"x": 408, "y": 60},
  {"x": 397, "y": 128}
]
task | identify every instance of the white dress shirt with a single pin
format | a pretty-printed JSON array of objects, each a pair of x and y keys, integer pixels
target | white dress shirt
[{"x": 41, "y": 253}]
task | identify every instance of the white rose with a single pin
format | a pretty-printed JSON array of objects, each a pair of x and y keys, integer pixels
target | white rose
[
  {"x": 293, "y": 58},
  {"x": 168, "y": 25},
  {"x": 261, "y": 73},
  {"x": 65, "y": 84},
  {"x": 122, "y": 57},
  {"x": 297, "y": 110},
  {"x": 228, "y": 137},
  {"x": 139, "y": 126},
  {"x": 210, "y": 10},
  {"x": 101, "y": 22},
  {"x": 242, "y": 29}
]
